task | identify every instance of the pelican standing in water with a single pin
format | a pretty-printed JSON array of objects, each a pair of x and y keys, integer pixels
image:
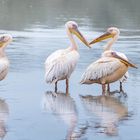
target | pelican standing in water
[
  {"x": 60, "y": 64},
  {"x": 108, "y": 69},
  {"x": 5, "y": 39},
  {"x": 113, "y": 33}
]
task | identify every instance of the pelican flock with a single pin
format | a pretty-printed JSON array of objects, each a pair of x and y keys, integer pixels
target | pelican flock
[
  {"x": 60, "y": 64},
  {"x": 112, "y": 65},
  {"x": 5, "y": 39}
]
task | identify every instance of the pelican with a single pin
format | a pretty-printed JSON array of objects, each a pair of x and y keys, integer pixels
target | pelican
[
  {"x": 108, "y": 69},
  {"x": 60, "y": 64},
  {"x": 5, "y": 39},
  {"x": 113, "y": 33}
]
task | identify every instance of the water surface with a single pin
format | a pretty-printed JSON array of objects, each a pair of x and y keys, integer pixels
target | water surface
[{"x": 29, "y": 108}]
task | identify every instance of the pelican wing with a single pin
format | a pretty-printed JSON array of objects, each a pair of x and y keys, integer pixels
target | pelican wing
[
  {"x": 60, "y": 65},
  {"x": 4, "y": 65},
  {"x": 100, "y": 68}
]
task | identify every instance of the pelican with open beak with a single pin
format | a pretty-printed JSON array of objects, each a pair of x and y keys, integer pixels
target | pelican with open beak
[{"x": 60, "y": 64}]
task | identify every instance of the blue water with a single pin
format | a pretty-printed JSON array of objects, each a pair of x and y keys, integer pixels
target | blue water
[{"x": 30, "y": 109}]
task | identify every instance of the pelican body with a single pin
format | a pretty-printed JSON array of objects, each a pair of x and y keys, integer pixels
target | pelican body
[
  {"x": 5, "y": 39},
  {"x": 113, "y": 33},
  {"x": 60, "y": 64},
  {"x": 108, "y": 69}
]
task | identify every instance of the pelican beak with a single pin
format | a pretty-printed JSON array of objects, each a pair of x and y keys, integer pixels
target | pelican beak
[
  {"x": 80, "y": 36},
  {"x": 102, "y": 37},
  {"x": 126, "y": 62}
]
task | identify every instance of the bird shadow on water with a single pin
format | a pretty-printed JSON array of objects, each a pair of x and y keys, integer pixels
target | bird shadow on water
[
  {"x": 4, "y": 113},
  {"x": 63, "y": 106},
  {"x": 119, "y": 93},
  {"x": 109, "y": 112}
]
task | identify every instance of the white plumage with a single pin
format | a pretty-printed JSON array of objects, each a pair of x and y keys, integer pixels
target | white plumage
[
  {"x": 5, "y": 39},
  {"x": 4, "y": 66},
  {"x": 100, "y": 68},
  {"x": 60, "y": 64},
  {"x": 108, "y": 69},
  {"x": 113, "y": 33}
]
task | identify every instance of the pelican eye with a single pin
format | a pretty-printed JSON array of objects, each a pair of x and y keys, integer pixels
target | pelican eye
[
  {"x": 74, "y": 26},
  {"x": 113, "y": 53},
  {"x": 111, "y": 30},
  {"x": 2, "y": 38}
]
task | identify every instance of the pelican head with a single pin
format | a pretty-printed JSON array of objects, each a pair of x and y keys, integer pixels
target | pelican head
[
  {"x": 115, "y": 55},
  {"x": 5, "y": 39},
  {"x": 111, "y": 33},
  {"x": 72, "y": 26}
]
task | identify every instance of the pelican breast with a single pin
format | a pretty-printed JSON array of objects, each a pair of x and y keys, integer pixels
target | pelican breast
[
  {"x": 60, "y": 64},
  {"x": 104, "y": 70}
]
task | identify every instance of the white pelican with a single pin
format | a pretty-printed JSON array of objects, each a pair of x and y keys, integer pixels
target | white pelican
[
  {"x": 5, "y": 39},
  {"x": 60, "y": 64},
  {"x": 108, "y": 69},
  {"x": 113, "y": 33}
]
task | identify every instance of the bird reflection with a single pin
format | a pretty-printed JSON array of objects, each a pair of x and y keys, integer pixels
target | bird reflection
[
  {"x": 63, "y": 106},
  {"x": 108, "y": 110},
  {"x": 4, "y": 112}
]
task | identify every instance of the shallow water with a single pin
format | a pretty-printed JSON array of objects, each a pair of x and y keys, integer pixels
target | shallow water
[{"x": 29, "y": 109}]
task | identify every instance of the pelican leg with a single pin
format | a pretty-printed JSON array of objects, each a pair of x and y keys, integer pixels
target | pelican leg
[
  {"x": 55, "y": 86},
  {"x": 103, "y": 89},
  {"x": 108, "y": 87},
  {"x": 111, "y": 92},
  {"x": 121, "y": 89},
  {"x": 67, "y": 86}
]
